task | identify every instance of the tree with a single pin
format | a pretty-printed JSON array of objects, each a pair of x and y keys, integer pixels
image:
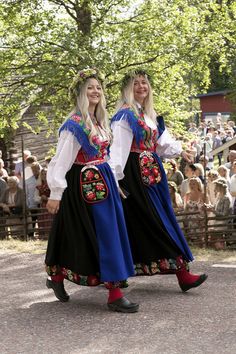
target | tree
[{"x": 45, "y": 43}]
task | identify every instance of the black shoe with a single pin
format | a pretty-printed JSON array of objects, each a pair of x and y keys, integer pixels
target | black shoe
[
  {"x": 123, "y": 305},
  {"x": 59, "y": 290},
  {"x": 186, "y": 287}
]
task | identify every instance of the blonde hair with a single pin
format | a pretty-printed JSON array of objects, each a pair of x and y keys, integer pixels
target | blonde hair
[
  {"x": 82, "y": 105},
  {"x": 199, "y": 182},
  {"x": 127, "y": 97},
  {"x": 221, "y": 184},
  {"x": 225, "y": 169},
  {"x": 13, "y": 179},
  {"x": 200, "y": 168}
]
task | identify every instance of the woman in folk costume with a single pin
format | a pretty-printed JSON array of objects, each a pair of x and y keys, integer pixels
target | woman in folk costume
[
  {"x": 88, "y": 243},
  {"x": 139, "y": 139}
]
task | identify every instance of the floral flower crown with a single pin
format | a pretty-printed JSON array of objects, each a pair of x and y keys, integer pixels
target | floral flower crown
[
  {"x": 221, "y": 181},
  {"x": 80, "y": 78},
  {"x": 132, "y": 74}
]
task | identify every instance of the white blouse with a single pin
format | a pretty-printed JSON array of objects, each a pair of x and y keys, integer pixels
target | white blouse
[
  {"x": 232, "y": 187},
  {"x": 122, "y": 141},
  {"x": 67, "y": 150}
]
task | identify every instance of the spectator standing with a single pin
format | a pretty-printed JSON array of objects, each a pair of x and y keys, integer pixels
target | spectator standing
[
  {"x": 208, "y": 143},
  {"x": 204, "y": 161},
  {"x": 12, "y": 205},
  {"x": 28, "y": 163},
  {"x": 3, "y": 171},
  {"x": 3, "y": 185},
  {"x": 232, "y": 186},
  {"x": 231, "y": 158},
  {"x": 42, "y": 193},
  {"x": 30, "y": 186},
  {"x": 193, "y": 203},
  {"x": 224, "y": 173},
  {"x": 174, "y": 174},
  {"x": 220, "y": 209},
  {"x": 189, "y": 172},
  {"x": 192, "y": 128},
  {"x": 217, "y": 142},
  {"x": 211, "y": 177},
  {"x": 202, "y": 129},
  {"x": 199, "y": 172},
  {"x": 19, "y": 164},
  {"x": 176, "y": 199}
]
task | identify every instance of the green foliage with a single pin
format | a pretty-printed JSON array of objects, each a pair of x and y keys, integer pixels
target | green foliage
[{"x": 188, "y": 46}]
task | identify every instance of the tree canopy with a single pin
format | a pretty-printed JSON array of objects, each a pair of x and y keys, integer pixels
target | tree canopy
[{"x": 188, "y": 46}]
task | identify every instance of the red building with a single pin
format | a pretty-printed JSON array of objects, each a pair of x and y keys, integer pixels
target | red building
[{"x": 215, "y": 104}]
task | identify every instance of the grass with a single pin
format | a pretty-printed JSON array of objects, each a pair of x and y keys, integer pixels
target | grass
[
  {"x": 208, "y": 254},
  {"x": 17, "y": 246},
  {"x": 39, "y": 247}
]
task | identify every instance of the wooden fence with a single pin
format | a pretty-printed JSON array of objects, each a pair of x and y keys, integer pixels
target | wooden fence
[{"x": 200, "y": 229}]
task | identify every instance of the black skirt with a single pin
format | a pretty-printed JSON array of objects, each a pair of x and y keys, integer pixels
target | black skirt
[
  {"x": 153, "y": 249},
  {"x": 88, "y": 241}
]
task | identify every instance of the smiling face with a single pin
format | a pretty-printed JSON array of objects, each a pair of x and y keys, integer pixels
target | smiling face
[
  {"x": 94, "y": 91},
  {"x": 140, "y": 89}
]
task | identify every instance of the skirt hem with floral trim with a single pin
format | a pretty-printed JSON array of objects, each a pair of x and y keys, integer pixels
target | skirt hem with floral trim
[{"x": 84, "y": 280}]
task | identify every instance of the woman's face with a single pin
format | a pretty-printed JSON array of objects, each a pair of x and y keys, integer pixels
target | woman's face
[
  {"x": 193, "y": 185},
  {"x": 188, "y": 171},
  {"x": 234, "y": 167},
  {"x": 94, "y": 91},
  {"x": 221, "y": 172},
  {"x": 12, "y": 184},
  {"x": 141, "y": 89}
]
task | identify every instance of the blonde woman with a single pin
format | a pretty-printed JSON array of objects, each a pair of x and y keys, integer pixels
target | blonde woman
[
  {"x": 210, "y": 186},
  {"x": 223, "y": 201},
  {"x": 221, "y": 208},
  {"x": 139, "y": 138},
  {"x": 194, "y": 203},
  {"x": 88, "y": 243},
  {"x": 224, "y": 173}
]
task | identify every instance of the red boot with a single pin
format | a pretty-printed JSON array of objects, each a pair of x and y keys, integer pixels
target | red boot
[{"x": 185, "y": 278}]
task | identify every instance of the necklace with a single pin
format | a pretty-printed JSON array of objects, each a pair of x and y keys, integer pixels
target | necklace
[{"x": 93, "y": 118}]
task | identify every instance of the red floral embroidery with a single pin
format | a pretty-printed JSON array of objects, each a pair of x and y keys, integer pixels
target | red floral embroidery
[
  {"x": 150, "y": 170},
  {"x": 93, "y": 186}
]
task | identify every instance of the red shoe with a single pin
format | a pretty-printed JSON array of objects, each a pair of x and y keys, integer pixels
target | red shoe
[{"x": 188, "y": 281}]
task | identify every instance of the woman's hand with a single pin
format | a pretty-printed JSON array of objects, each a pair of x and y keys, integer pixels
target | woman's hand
[
  {"x": 208, "y": 207},
  {"x": 187, "y": 156},
  {"x": 53, "y": 206},
  {"x": 121, "y": 193}
]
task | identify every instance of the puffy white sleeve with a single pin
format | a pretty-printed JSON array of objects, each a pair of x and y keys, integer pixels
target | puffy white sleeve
[
  {"x": 67, "y": 149},
  {"x": 167, "y": 146},
  {"x": 120, "y": 148}
]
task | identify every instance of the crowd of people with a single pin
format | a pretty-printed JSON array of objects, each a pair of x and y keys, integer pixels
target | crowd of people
[
  {"x": 13, "y": 200},
  {"x": 206, "y": 184}
]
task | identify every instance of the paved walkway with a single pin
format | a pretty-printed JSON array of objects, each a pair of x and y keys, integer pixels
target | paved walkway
[{"x": 201, "y": 321}]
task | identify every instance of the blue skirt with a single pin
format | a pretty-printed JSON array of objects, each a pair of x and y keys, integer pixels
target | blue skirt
[
  {"x": 155, "y": 237},
  {"x": 90, "y": 239}
]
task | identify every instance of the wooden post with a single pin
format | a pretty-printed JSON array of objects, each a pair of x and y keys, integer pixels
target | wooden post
[
  {"x": 25, "y": 228},
  {"x": 205, "y": 198}
]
